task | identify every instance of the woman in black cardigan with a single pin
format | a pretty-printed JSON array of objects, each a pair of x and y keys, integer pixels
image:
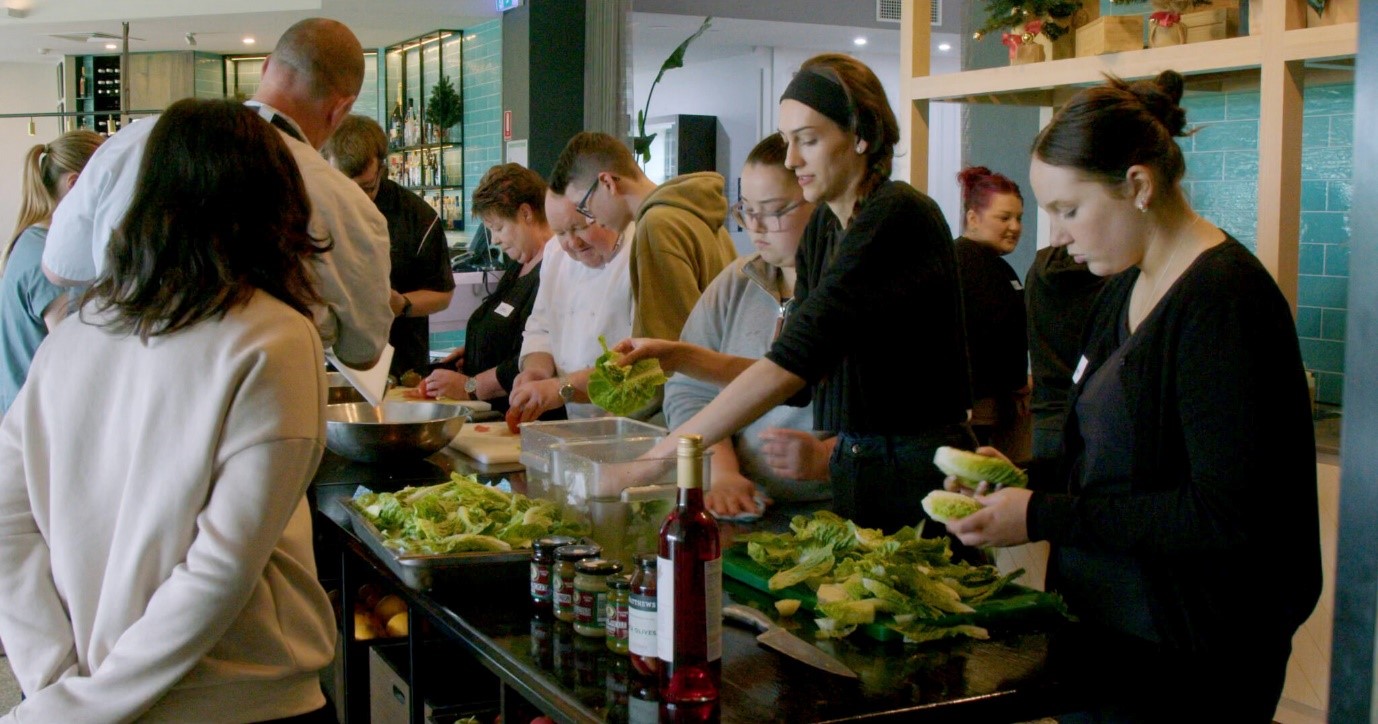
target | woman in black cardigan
[{"x": 1183, "y": 515}]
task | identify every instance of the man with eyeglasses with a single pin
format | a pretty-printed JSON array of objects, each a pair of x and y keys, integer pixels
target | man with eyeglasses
[
  {"x": 680, "y": 242},
  {"x": 585, "y": 292}
]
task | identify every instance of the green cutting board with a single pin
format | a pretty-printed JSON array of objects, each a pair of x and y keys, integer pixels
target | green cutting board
[{"x": 1013, "y": 603}]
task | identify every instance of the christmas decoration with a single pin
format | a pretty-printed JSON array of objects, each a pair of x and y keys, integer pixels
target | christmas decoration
[{"x": 1005, "y": 15}]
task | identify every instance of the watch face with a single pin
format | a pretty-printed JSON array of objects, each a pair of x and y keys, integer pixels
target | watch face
[
  {"x": 471, "y": 385},
  {"x": 567, "y": 392}
]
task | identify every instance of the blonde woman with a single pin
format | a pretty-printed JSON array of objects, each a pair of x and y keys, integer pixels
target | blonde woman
[{"x": 30, "y": 305}]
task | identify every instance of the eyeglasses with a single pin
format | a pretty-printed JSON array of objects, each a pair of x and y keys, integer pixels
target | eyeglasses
[
  {"x": 583, "y": 206},
  {"x": 767, "y": 220}
]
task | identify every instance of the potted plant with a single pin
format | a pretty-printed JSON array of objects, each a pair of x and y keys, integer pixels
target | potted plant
[
  {"x": 641, "y": 143},
  {"x": 444, "y": 108}
]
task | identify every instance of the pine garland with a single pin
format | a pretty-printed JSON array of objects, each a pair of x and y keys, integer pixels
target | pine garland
[{"x": 1004, "y": 14}]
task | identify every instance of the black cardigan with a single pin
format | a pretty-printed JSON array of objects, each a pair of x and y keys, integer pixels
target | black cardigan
[
  {"x": 1223, "y": 513},
  {"x": 993, "y": 304},
  {"x": 890, "y": 287}
]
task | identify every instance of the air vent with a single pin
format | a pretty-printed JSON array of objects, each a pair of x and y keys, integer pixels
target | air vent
[{"x": 888, "y": 11}]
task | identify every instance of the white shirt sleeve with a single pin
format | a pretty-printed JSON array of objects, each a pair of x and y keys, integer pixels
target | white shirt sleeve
[{"x": 536, "y": 335}]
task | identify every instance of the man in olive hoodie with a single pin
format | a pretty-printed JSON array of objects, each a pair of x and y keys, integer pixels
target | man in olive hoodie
[{"x": 680, "y": 243}]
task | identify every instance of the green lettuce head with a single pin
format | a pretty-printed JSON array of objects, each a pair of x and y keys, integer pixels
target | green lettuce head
[
  {"x": 970, "y": 468},
  {"x": 623, "y": 390},
  {"x": 946, "y": 507}
]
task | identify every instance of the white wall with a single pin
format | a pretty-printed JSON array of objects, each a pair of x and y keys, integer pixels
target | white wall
[
  {"x": 743, "y": 91},
  {"x": 29, "y": 87}
]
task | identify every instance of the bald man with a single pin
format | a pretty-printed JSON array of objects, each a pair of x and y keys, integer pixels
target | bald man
[{"x": 308, "y": 87}]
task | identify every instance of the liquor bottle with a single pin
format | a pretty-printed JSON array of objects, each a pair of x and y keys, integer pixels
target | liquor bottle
[
  {"x": 411, "y": 131},
  {"x": 689, "y": 595},
  {"x": 395, "y": 123},
  {"x": 81, "y": 82}
]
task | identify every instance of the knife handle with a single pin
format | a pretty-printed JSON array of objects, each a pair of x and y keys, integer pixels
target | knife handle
[{"x": 749, "y": 616}]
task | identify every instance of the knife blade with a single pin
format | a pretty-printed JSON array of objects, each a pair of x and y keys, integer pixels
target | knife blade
[{"x": 777, "y": 638}]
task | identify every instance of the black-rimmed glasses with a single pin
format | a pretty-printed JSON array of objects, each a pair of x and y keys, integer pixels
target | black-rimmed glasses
[
  {"x": 767, "y": 220},
  {"x": 583, "y": 206}
]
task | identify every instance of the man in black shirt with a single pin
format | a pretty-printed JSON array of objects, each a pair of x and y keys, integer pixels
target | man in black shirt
[{"x": 422, "y": 283}]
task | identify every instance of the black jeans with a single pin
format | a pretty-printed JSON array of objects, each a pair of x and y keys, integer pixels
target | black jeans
[{"x": 879, "y": 480}]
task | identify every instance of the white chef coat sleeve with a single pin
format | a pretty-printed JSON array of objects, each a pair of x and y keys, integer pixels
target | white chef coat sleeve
[{"x": 536, "y": 336}]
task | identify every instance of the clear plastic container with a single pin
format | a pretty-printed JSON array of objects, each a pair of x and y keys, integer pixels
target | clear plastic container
[{"x": 539, "y": 437}]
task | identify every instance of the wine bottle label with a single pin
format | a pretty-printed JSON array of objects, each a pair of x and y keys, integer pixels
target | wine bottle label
[
  {"x": 665, "y": 608},
  {"x": 641, "y": 624}
]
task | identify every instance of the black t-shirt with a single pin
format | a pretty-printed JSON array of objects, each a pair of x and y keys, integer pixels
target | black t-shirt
[
  {"x": 420, "y": 260},
  {"x": 1059, "y": 294},
  {"x": 888, "y": 284},
  {"x": 993, "y": 304},
  {"x": 493, "y": 337}
]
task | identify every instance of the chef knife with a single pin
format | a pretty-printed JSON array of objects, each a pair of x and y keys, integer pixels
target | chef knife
[{"x": 785, "y": 642}]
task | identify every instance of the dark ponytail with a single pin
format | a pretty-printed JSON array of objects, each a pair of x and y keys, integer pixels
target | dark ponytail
[{"x": 1106, "y": 129}]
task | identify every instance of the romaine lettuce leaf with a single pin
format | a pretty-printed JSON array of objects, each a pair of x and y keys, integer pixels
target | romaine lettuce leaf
[{"x": 623, "y": 390}]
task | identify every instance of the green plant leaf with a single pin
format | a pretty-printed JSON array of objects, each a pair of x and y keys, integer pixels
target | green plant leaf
[{"x": 676, "y": 60}]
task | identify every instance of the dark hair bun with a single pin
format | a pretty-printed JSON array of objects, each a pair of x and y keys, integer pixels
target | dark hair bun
[{"x": 1162, "y": 96}]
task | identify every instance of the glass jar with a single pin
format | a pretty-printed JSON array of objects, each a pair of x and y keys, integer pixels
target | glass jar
[
  {"x": 619, "y": 597},
  {"x": 641, "y": 617},
  {"x": 562, "y": 579},
  {"x": 591, "y": 595},
  {"x": 542, "y": 563}
]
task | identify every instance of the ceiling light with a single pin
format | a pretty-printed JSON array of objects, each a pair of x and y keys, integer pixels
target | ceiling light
[
  {"x": 944, "y": 47},
  {"x": 111, "y": 46},
  {"x": 859, "y": 40},
  {"x": 248, "y": 40}
]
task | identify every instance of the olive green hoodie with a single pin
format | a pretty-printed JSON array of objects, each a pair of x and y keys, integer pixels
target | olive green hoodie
[{"x": 679, "y": 246}]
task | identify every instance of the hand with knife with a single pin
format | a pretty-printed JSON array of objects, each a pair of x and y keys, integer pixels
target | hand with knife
[{"x": 774, "y": 637}]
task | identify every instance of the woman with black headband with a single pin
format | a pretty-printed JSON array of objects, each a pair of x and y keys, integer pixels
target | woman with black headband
[{"x": 876, "y": 267}]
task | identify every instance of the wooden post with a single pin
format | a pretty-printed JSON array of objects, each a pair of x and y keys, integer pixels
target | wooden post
[
  {"x": 1281, "y": 87},
  {"x": 915, "y": 52}
]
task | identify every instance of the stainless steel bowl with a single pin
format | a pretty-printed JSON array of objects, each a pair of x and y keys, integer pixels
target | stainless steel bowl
[
  {"x": 340, "y": 391},
  {"x": 396, "y": 431}
]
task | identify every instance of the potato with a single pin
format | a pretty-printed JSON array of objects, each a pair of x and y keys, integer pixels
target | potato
[
  {"x": 389, "y": 606},
  {"x": 787, "y": 606},
  {"x": 397, "y": 625}
]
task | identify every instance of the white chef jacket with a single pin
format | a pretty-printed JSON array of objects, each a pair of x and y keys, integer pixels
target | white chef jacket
[
  {"x": 352, "y": 278},
  {"x": 574, "y": 305}
]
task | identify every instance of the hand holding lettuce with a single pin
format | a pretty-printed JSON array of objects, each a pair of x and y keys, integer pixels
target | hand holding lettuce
[
  {"x": 971, "y": 468},
  {"x": 623, "y": 390}
]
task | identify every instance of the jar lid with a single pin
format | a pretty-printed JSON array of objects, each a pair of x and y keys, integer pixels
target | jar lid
[
  {"x": 597, "y": 567},
  {"x": 646, "y": 560},
  {"x": 620, "y": 581},
  {"x": 551, "y": 542},
  {"x": 577, "y": 552}
]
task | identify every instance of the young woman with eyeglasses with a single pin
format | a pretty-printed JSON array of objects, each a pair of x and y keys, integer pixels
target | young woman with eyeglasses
[{"x": 876, "y": 274}]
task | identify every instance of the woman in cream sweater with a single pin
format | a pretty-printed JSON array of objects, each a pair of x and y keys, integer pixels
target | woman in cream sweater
[{"x": 158, "y": 560}]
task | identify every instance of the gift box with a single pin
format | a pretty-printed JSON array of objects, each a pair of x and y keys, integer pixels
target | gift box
[
  {"x": 1197, "y": 26},
  {"x": 1110, "y": 34}
]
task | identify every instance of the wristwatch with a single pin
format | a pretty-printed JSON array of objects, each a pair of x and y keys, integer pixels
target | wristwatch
[
  {"x": 471, "y": 385},
  {"x": 566, "y": 389},
  {"x": 406, "y": 306}
]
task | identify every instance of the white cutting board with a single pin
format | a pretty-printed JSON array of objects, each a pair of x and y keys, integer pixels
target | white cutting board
[
  {"x": 399, "y": 394},
  {"x": 488, "y": 442}
]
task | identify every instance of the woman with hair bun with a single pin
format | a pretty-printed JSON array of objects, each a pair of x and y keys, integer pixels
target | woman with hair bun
[
  {"x": 30, "y": 305},
  {"x": 993, "y": 304},
  {"x": 876, "y": 274},
  {"x": 1182, "y": 514}
]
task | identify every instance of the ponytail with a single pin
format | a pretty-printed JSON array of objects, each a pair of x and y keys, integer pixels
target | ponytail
[{"x": 44, "y": 166}]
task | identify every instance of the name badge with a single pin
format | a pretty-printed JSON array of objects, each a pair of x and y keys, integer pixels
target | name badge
[
  {"x": 504, "y": 309},
  {"x": 1081, "y": 369},
  {"x": 1017, "y": 286}
]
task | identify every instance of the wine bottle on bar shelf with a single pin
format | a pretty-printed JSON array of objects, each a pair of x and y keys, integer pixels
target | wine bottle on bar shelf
[{"x": 689, "y": 597}]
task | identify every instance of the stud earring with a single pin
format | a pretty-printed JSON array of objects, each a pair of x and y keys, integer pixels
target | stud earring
[
  {"x": 1143, "y": 207},
  {"x": 860, "y": 148}
]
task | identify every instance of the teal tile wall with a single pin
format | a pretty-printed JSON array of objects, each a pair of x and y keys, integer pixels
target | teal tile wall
[
  {"x": 367, "y": 103},
  {"x": 208, "y": 76},
  {"x": 1222, "y": 178},
  {"x": 482, "y": 74}
]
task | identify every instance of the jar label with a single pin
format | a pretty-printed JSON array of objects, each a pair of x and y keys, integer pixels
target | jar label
[
  {"x": 641, "y": 625},
  {"x": 590, "y": 609},
  {"x": 616, "y": 620},
  {"x": 564, "y": 592},
  {"x": 540, "y": 581}
]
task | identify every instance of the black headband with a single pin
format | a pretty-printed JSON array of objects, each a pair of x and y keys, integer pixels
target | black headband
[{"x": 823, "y": 94}]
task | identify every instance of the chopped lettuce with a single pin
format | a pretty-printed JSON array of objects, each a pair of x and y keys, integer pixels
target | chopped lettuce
[
  {"x": 971, "y": 468},
  {"x": 623, "y": 390},
  {"x": 462, "y": 515},
  {"x": 861, "y": 577},
  {"x": 946, "y": 507}
]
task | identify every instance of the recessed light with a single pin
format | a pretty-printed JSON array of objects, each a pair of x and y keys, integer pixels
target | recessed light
[
  {"x": 248, "y": 40},
  {"x": 859, "y": 40},
  {"x": 110, "y": 46},
  {"x": 944, "y": 47}
]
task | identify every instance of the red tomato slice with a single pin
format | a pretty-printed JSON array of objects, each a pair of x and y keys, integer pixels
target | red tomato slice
[
  {"x": 514, "y": 420},
  {"x": 481, "y": 428}
]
